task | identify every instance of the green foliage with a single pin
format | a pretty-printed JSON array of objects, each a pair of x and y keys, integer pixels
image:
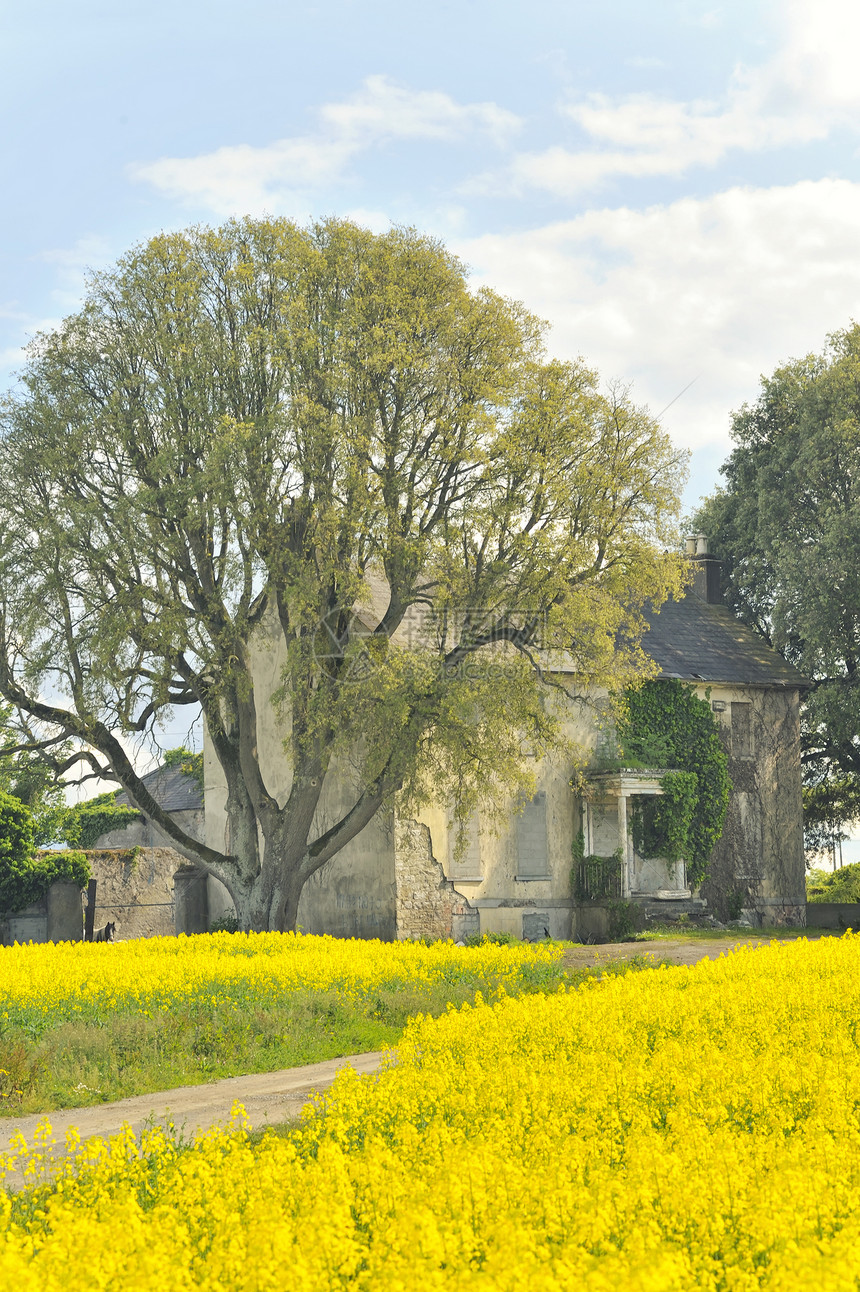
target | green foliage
[
  {"x": 490, "y": 939},
  {"x": 828, "y": 806},
  {"x": 29, "y": 775},
  {"x": 686, "y": 820},
  {"x": 16, "y": 834},
  {"x": 227, "y": 923},
  {"x": 842, "y": 885},
  {"x": 734, "y": 900},
  {"x": 27, "y": 880},
  {"x": 662, "y": 824},
  {"x": 187, "y": 761},
  {"x": 787, "y": 528},
  {"x": 626, "y": 919},
  {"x": 84, "y": 823},
  {"x": 596, "y": 878}
]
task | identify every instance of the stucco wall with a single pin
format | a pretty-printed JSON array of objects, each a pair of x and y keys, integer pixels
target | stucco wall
[
  {"x": 504, "y": 899},
  {"x": 148, "y": 835}
]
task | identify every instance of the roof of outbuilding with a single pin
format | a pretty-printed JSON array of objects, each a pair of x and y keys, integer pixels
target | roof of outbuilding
[
  {"x": 172, "y": 788},
  {"x": 697, "y": 641}
]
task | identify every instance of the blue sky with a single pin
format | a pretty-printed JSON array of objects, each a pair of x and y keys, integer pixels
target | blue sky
[{"x": 673, "y": 186}]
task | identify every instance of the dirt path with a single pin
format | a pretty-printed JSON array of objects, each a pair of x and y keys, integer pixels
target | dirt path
[
  {"x": 678, "y": 951},
  {"x": 268, "y": 1098}
]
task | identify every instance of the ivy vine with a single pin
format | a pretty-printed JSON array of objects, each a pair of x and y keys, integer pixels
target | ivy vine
[
  {"x": 27, "y": 880},
  {"x": 686, "y": 821},
  {"x": 85, "y": 823}
]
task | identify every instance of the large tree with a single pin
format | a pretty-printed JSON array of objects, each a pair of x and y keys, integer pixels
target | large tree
[
  {"x": 787, "y": 527},
  {"x": 324, "y": 435}
]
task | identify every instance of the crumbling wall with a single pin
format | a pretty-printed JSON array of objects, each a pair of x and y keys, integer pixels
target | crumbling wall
[{"x": 427, "y": 905}]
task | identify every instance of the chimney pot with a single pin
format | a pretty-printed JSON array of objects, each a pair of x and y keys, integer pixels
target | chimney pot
[
  {"x": 691, "y": 545},
  {"x": 701, "y": 545}
]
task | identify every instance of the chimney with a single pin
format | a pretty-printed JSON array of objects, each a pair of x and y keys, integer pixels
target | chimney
[{"x": 706, "y": 570}]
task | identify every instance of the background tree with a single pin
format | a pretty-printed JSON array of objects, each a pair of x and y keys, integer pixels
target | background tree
[
  {"x": 260, "y": 428},
  {"x": 27, "y": 773},
  {"x": 787, "y": 528}
]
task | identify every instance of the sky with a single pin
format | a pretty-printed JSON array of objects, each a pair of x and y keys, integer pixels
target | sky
[{"x": 675, "y": 187}]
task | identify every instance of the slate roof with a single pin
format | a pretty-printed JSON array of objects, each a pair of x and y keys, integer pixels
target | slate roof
[
  {"x": 698, "y": 641},
  {"x": 172, "y": 789}
]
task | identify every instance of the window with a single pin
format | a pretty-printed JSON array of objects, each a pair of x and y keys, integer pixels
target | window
[
  {"x": 535, "y": 926},
  {"x": 742, "y": 739},
  {"x": 532, "y": 855}
]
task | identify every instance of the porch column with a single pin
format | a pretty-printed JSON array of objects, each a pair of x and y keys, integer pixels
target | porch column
[{"x": 625, "y": 846}]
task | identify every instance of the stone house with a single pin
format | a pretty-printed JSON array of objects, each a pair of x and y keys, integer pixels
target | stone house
[{"x": 404, "y": 878}]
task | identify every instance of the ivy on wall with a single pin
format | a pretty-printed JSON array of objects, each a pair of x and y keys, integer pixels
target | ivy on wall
[
  {"x": 25, "y": 877},
  {"x": 26, "y": 881},
  {"x": 686, "y": 820},
  {"x": 86, "y": 823}
]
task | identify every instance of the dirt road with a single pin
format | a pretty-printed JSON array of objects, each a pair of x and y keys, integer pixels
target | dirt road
[{"x": 678, "y": 951}]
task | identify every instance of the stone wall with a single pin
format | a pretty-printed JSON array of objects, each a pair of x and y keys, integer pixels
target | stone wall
[
  {"x": 58, "y": 917},
  {"x": 146, "y": 834},
  {"x": 427, "y": 905},
  {"x": 758, "y": 867},
  {"x": 135, "y": 890},
  {"x": 833, "y": 915}
]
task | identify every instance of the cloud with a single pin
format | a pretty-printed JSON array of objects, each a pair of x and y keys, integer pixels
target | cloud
[
  {"x": 720, "y": 289},
  {"x": 281, "y": 174},
  {"x": 382, "y": 110},
  {"x": 805, "y": 91}
]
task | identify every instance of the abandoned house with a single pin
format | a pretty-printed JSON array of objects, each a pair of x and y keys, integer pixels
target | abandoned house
[{"x": 405, "y": 878}]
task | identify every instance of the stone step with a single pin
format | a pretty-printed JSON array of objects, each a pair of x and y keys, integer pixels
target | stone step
[{"x": 664, "y": 909}]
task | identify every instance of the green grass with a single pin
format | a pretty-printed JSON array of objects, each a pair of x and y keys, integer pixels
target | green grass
[{"x": 693, "y": 933}]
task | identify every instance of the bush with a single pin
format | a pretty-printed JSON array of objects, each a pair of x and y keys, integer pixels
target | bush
[
  {"x": 27, "y": 881},
  {"x": 626, "y": 919},
  {"x": 16, "y": 833},
  {"x": 227, "y": 923},
  {"x": 842, "y": 885}
]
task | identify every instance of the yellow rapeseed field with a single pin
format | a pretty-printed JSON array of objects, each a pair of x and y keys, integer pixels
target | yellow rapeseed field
[
  {"x": 676, "y": 1129},
  {"x": 43, "y": 985}
]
